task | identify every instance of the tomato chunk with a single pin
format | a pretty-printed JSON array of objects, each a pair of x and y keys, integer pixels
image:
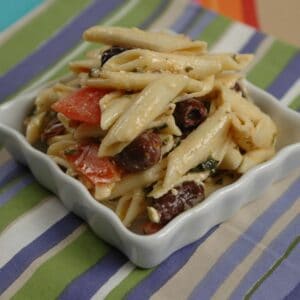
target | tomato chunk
[
  {"x": 83, "y": 105},
  {"x": 85, "y": 160}
]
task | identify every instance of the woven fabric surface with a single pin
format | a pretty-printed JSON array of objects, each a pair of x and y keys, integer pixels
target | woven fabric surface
[{"x": 46, "y": 252}]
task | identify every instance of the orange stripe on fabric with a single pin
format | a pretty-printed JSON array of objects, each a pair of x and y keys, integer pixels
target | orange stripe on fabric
[
  {"x": 250, "y": 15},
  {"x": 232, "y": 9},
  {"x": 211, "y": 4}
]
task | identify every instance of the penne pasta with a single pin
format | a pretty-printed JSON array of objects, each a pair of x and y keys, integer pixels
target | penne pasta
[
  {"x": 198, "y": 146},
  {"x": 135, "y": 38},
  {"x": 151, "y": 123},
  {"x": 149, "y": 104}
]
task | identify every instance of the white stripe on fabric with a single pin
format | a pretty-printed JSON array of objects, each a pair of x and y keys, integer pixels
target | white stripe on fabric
[
  {"x": 292, "y": 93},
  {"x": 29, "y": 227},
  {"x": 21, "y": 281},
  {"x": 113, "y": 281},
  {"x": 235, "y": 277},
  {"x": 234, "y": 38},
  {"x": 83, "y": 46},
  {"x": 6, "y": 34},
  {"x": 219, "y": 242},
  {"x": 173, "y": 12}
]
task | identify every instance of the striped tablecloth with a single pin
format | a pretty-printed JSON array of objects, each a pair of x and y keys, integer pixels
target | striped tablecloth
[{"x": 46, "y": 252}]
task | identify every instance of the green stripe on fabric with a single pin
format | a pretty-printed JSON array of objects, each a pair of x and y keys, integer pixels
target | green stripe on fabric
[
  {"x": 273, "y": 62},
  {"x": 214, "y": 30},
  {"x": 135, "y": 17},
  {"x": 285, "y": 255},
  {"x": 69, "y": 263},
  {"x": 136, "y": 276},
  {"x": 27, "y": 198},
  {"x": 295, "y": 104},
  {"x": 23, "y": 42}
]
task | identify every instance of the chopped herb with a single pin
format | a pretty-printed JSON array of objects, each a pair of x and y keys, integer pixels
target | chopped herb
[
  {"x": 209, "y": 165},
  {"x": 207, "y": 105},
  {"x": 188, "y": 69},
  {"x": 219, "y": 180},
  {"x": 70, "y": 151}
]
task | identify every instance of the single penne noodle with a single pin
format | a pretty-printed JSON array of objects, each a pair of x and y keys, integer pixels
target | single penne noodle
[
  {"x": 96, "y": 53},
  {"x": 198, "y": 145},
  {"x": 34, "y": 127},
  {"x": 137, "y": 81},
  {"x": 136, "y": 206},
  {"x": 255, "y": 157},
  {"x": 108, "y": 98},
  {"x": 137, "y": 180},
  {"x": 159, "y": 189},
  {"x": 264, "y": 133},
  {"x": 242, "y": 132},
  {"x": 63, "y": 163},
  {"x": 229, "y": 61},
  {"x": 140, "y": 60},
  {"x": 115, "y": 109},
  {"x": 123, "y": 205},
  {"x": 85, "y": 65},
  {"x": 45, "y": 99},
  {"x": 136, "y": 38},
  {"x": 232, "y": 158},
  {"x": 85, "y": 130},
  {"x": 103, "y": 190},
  {"x": 228, "y": 79},
  {"x": 58, "y": 148},
  {"x": 241, "y": 106},
  {"x": 151, "y": 102}
]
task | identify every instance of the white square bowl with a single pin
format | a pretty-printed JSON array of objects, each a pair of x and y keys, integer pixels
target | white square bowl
[{"x": 148, "y": 251}]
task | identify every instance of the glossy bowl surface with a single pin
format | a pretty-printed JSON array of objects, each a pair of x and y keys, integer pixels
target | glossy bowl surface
[{"x": 148, "y": 251}]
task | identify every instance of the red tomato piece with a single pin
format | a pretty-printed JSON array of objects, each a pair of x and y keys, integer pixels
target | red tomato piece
[
  {"x": 83, "y": 105},
  {"x": 97, "y": 169}
]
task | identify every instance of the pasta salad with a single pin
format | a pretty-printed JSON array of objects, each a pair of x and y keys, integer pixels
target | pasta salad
[{"x": 151, "y": 123}]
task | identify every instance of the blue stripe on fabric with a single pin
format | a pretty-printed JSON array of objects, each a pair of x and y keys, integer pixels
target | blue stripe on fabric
[
  {"x": 10, "y": 170},
  {"x": 275, "y": 250},
  {"x": 282, "y": 281},
  {"x": 55, "y": 47},
  {"x": 189, "y": 15},
  {"x": 253, "y": 43},
  {"x": 13, "y": 10},
  {"x": 85, "y": 286},
  {"x": 166, "y": 270},
  {"x": 207, "y": 18},
  {"x": 242, "y": 247},
  {"x": 287, "y": 77},
  {"x": 18, "y": 264},
  {"x": 294, "y": 294},
  {"x": 14, "y": 189}
]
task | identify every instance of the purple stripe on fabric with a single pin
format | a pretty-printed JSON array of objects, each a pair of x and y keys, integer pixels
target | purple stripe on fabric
[
  {"x": 163, "y": 6},
  {"x": 85, "y": 286},
  {"x": 294, "y": 294},
  {"x": 14, "y": 189},
  {"x": 54, "y": 48},
  {"x": 282, "y": 281},
  {"x": 207, "y": 18},
  {"x": 10, "y": 170},
  {"x": 265, "y": 262},
  {"x": 18, "y": 264},
  {"x": 187, "y": 18},
  {"x": 253, "y": 43},
  {"x": 289, "y": 75},
  {"x": 242, "y": 247},
  {"x": 166, "y": 270}
]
